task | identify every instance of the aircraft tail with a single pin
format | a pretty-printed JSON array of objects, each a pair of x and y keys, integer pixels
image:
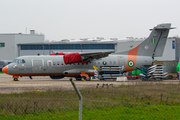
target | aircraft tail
[{"x": 154, "y": 44}]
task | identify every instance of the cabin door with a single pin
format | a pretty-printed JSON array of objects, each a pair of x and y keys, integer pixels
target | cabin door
[
  {"x": 37, "y": 65},
  {"x": 121, "y": 62}
]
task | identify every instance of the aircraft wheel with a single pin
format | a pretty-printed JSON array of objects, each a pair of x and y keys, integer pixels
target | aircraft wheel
[
  {"x": 78, "y": 78},
  {"x": 88, "y": 79},
  {"x": 15, "y": 79},
  {"x": 85, "y": 79}
]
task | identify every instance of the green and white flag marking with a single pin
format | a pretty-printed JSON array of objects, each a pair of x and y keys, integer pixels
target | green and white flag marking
[
  {"x": 153, "y": 40},
  {"x": 130, "y": 63}
]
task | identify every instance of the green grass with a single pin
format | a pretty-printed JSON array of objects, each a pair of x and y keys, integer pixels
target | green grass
[
  {"x": 146, "y": 101},
  {"x": 116, "y": 113}
]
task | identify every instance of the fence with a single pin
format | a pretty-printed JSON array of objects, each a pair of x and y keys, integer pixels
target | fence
[{"x": 100, "y": 102}]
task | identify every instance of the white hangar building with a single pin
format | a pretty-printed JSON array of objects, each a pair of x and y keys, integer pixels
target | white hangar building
[
  {"x": 14, "y": 45},
  {"x": 9, "y": 43}
]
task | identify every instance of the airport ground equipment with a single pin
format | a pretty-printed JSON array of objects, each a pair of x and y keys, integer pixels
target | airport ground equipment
[
  {"x": 156, "y": 72},
  {"x": 109, "y": 72},
  {"x": 177, "y": 70},
  {"x": 143, "y": 74},
  {"x": 153, "y": 72}
]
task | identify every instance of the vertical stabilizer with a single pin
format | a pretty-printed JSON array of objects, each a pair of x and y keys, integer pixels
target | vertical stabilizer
[{"x": 154, "y": 44}]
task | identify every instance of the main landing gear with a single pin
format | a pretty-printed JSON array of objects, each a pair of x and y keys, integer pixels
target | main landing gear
[
  {"x": 16, "y": 78},
  {"x": 83, "y": 76}
]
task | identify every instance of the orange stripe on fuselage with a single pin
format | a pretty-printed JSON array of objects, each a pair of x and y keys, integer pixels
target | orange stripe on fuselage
[{"x": 132, "y": 55}]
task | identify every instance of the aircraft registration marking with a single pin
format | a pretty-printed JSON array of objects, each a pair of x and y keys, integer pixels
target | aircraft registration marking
[{"x": 23, "y": 69}]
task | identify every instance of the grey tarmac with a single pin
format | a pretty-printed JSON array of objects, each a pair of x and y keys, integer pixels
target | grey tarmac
[{"x": 44, "y": 83}]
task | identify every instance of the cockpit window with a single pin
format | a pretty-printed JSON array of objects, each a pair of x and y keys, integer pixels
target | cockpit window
[
  {"x": 15, "y": 61},
  {"x": 19, "y": 61}
]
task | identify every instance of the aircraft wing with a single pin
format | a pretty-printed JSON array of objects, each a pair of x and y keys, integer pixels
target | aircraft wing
[
  {"x": 94, "y": 55},
  {"x": 76, "y": 57}
]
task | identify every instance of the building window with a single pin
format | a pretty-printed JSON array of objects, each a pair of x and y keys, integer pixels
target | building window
[
  {"x": 36, "y": 47},
  {"x": 24, "y": 47},
  {"x": 67, "y": 46},
  {"x": 85, "y": 46},
  {"x": 77, "y": 46},
  {"x": 53, "y": 47},
  {"x": 46, "y": 47},
  {"x": 109, "y": 46}
]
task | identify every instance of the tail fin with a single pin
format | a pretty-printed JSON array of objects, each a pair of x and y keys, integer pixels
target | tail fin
[{"x": 154, "y": 44}]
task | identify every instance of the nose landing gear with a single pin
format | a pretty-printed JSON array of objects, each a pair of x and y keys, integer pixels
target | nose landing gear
[{"x": 15, "y": 78}]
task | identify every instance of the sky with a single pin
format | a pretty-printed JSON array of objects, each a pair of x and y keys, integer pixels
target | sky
[{"x": 75, "y": 19}]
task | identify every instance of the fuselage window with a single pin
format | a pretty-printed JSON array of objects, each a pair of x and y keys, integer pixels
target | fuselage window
[
  {"x": 49, "y": 63},
  {"x": 110, "y": 62},
  {"x": 61, "y": 63},
  {"x": 86, "y": 63},
  {"x": 54, "y": 63},
  {"x": 114, "y": 62},
  {"x": 98, "y": 63},
  {"x": 23, "y": 61},
  {"x": 82, "y": 63},
  {"x": 57, "y": 63}
]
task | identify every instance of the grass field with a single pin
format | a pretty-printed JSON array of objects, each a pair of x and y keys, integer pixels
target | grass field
[
  {"x": 124, "y": 102},
  {"x": 116, "y": 113}
]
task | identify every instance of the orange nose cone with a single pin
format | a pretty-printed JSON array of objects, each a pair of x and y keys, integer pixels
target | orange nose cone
[{"x": 5, "y": 69}]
